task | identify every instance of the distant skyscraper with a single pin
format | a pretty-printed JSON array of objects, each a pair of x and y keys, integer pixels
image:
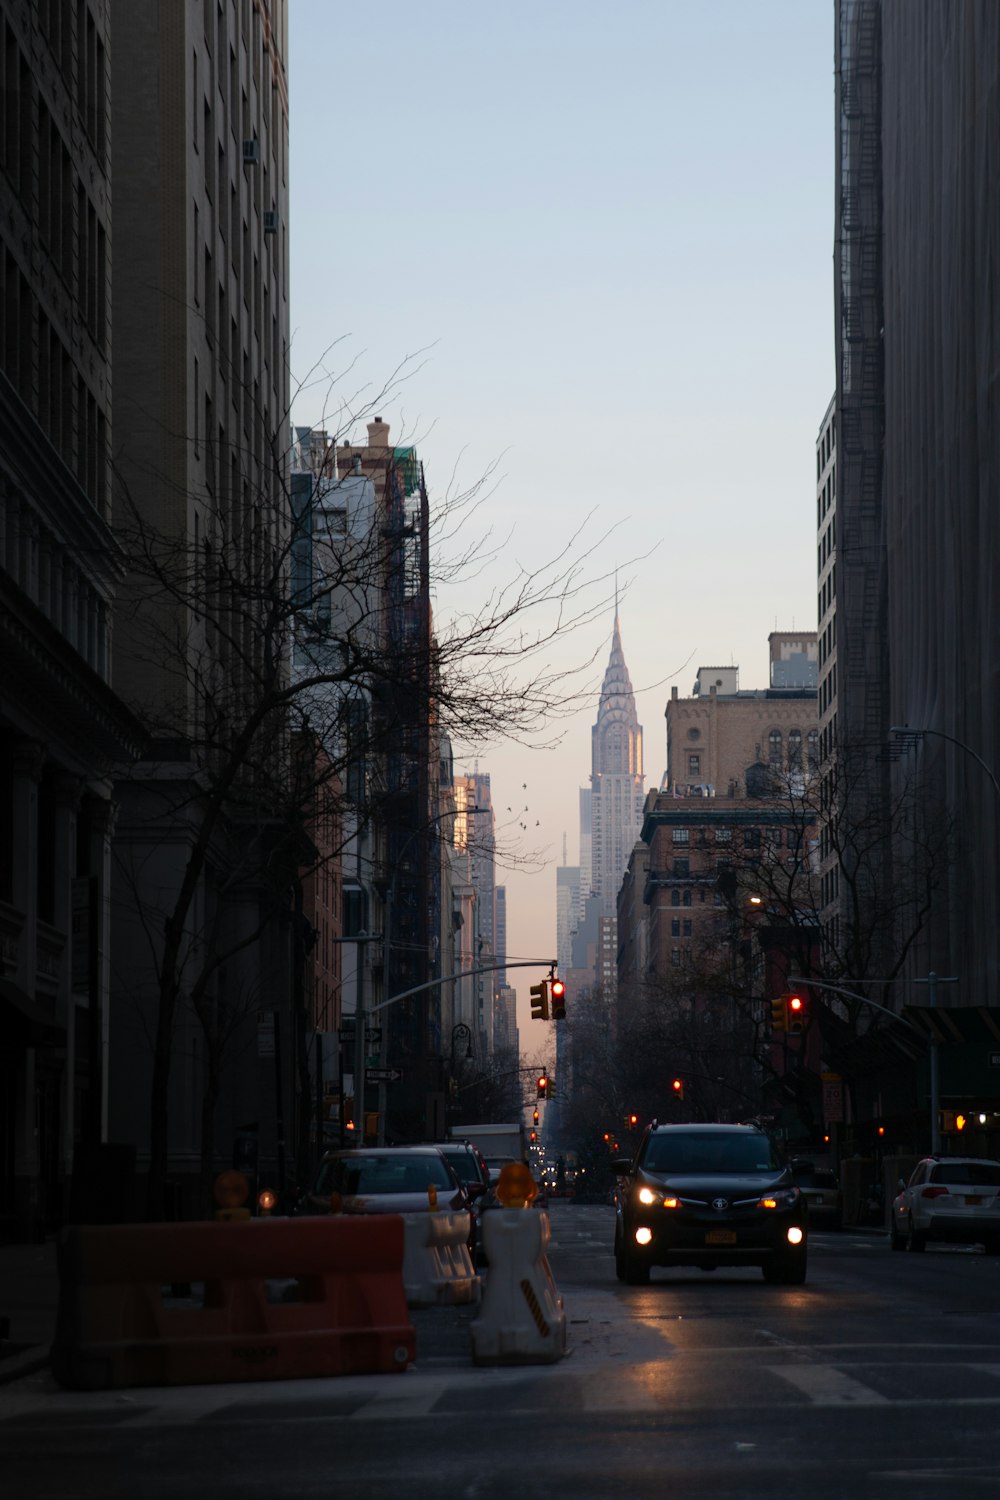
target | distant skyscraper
[
  {"x": 616, "y": 779},
  {"x": 617, "y": 795}
]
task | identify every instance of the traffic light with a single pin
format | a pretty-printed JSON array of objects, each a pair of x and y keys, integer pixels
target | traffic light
[
  {"x": 534, "y": 1136},
  {"x": 779, "y": 1015},
  {"x": 795, "y": 1014},
  {"x": 678, "y": 1088},
  {"x": 540, "y": 1001},
  {"x": 633, "y": 1121},
  {"x": 960, "y": 1124},
  {"x": 534, "y": 1116},
  {"x": 543, "y": 1086},
  {"x": 558, "y": 999}
]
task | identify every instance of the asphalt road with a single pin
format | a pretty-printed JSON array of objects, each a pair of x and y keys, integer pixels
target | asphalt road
[{"x": 879, "y": 1377}]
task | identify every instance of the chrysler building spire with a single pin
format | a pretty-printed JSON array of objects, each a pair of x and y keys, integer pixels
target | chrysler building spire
[{"x": 617, "y": 779}]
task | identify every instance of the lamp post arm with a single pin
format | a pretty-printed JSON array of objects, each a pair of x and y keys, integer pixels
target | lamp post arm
[{"x": 903, "y": 730}]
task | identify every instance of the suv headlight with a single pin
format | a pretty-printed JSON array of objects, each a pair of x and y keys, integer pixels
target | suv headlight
[
  {"x": 647, "y": 1196},
  {"x": 785, "y": 1198}
]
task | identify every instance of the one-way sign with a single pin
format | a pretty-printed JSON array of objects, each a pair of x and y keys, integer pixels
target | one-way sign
[{"x": 383, "y": 1075}]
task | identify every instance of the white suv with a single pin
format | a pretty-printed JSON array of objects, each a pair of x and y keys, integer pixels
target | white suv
[{"x": 952, "y": 1198}]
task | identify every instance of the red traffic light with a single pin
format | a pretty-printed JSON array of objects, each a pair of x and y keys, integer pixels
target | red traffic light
[
  {"x": 795, "y": 1013},
  {"x": 543, "y": 1084},
  {"x": 678, "y": 1087},
  {"x": 558, "y": 992}
]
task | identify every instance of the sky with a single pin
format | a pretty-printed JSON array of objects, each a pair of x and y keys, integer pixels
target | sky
[{"x": 581, "y": 253}]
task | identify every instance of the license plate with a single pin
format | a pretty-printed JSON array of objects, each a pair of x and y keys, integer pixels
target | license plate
[
  {"x": 720, "y": 1237},
  {"x": 972, "y": 1198}
]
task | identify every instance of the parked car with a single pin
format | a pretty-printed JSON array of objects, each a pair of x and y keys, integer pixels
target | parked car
[
  {"x": 708, "y": 1196},
  {"x": 469, "y": 1166},
  {"x": 384, "y": 1180},
  {"x": 820, "y": 1187},
  {"x": 954, "y": 1199}
]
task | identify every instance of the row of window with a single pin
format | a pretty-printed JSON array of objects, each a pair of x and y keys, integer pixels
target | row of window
[
  {"x": 43, "y": 372},
  {"x": 776, "y": 754},
  {"x": 62, "y": 22},
  {"x": 828, "y": 591},
  {"x": 827, "y": 544},
  {"x": 827, "y": 496},
  {"x": 825, "y": 447},
  {"x": 43, "y": 568},
  {"x": 752, "y": 838},
  {"x": 828, "y": 689}
]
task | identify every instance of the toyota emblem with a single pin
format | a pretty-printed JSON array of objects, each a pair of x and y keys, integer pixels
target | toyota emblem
[{"x": 719, "y": 1204}]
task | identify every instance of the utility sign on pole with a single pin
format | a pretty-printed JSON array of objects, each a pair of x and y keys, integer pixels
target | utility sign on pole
[
  {"x": 383, "y": 1075},
  {"x": 265, "y": 1033}
]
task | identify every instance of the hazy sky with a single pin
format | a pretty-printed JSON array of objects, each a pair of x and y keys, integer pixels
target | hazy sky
[{"x": 609, "y": 227}]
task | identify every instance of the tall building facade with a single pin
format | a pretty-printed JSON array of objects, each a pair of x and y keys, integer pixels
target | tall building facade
[
  {"x": 62, "y": 728},
  {"x": 941, "y": 523},
  {"x": 918, "y": 439},
  {"x": 200, "y": 306}
]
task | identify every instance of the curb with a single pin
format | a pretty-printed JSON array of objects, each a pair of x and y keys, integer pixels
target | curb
[{"x": 26, "y": 1363}]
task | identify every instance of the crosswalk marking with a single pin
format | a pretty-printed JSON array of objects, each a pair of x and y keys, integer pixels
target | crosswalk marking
[
  {"x": 406, "y": 1402},
  {"x": 827, "y": 1386}
]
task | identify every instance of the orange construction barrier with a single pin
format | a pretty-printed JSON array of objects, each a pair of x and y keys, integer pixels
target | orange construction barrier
[{"x": 271, "y": 1299}]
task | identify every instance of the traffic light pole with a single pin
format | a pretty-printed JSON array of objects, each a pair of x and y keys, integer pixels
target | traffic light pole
[
  {"x": 932, "y": 981},
  {"x": 433, "y": 984}
]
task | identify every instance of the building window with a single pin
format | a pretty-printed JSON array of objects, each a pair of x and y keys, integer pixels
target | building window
[
  {"x": 795, "y": 749},
  {"x": 694, "y": 765},
  {"x": 724, "y": 836},
  {"x": 682, "y": 867},
  {"x": 682, "y": 835},
  {"x": 751, "y": 838},
  {"x": 675, "y": 898},
  {"x": 675, "y": 957},
  {"x": 687, "y": 927},
  {"x": 675, "y": 927},
  {"x": 812, "y": 742},
  {"x": 774, "y": 748},
  {"x": 687, "y": 898}
]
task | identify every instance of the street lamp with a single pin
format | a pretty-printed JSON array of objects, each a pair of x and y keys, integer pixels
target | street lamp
[
  {"x": 461, "y": 1033},
  {"x": 907, "y": 739}
]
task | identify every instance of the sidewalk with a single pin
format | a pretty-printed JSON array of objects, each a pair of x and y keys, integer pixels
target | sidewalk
[{"x": 29, "y": 1291}]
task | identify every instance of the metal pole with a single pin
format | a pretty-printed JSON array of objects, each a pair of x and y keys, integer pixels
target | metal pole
[
  {"x": 935, "y": 1073},
  {"x": 359, "y": 1045},
  {"x": 279, "y": 1107}
]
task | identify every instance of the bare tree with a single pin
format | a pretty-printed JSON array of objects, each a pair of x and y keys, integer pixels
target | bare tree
[{"x": 239, "y": 656}]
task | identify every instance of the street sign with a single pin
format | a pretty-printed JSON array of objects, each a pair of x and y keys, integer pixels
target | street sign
[
  {"x": 383, "y": 1075},
  {"x": 265, "y": 1033},
  {"x": 995, "y": 1059},
  {"x": 833, "y": 1100},
  {"x": 373, "y": 1034}
]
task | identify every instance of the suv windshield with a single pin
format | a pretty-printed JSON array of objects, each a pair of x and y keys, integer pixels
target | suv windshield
[{"x": 694, "y": 1152}]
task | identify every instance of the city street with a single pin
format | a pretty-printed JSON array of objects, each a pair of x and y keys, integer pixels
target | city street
[{"x": 881, "y": 1376}]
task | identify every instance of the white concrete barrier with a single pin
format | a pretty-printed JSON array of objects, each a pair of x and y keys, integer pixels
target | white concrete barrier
[
  {"x": 522, "y": 1319},
  {"x": 437, "y": 1266}
]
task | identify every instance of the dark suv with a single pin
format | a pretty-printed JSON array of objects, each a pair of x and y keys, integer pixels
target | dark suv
[{"x": 708, "y": 1196}]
